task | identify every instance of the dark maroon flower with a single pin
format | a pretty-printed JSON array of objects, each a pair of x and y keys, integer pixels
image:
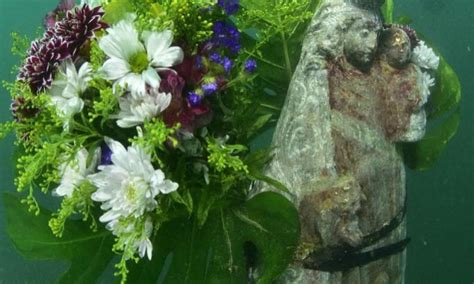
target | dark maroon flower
[
  {"x": 21, "y": 109},
  {"x": 171, "y": 83},
  {"x": 79, "y": 26},
  {"x": 191, "y": 69},
  {"x": 58, "y": 43},
  {"x": 59, "y": 13},
  {"x": 44, "y": 59}
]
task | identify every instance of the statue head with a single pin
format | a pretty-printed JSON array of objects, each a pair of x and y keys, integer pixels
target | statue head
[{"x": 361, "y": 42}]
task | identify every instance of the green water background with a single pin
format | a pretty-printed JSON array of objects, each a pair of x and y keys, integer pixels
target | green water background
[{"x": 441, "y": 200}]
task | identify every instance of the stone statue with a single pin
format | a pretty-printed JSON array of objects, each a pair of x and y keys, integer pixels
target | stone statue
[{"x": 354, "y": 94}]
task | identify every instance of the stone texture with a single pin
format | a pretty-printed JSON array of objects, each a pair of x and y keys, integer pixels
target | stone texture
[{"x": 353, "y": 95}]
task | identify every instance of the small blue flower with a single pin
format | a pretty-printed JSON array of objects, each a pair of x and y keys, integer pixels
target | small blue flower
[
  {"x": 194, "y": 99},
  {"x": 226, "y": 36},
  {"x": 230, "y": 6},
  {"x": 209, "y": 88},
  {"x": 106, "y": 155},
  {"x": 250, "y": 65},
  {"x": 227, "y": 63},
  {"x": 215, "y": 57}
]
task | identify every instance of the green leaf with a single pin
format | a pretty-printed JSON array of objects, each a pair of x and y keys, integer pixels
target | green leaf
[
  {"x": 404, "y": 20},
  {"x": 387, "y": 11},
  {"x": 88, "y": 252},
  {"x": 447, "y": 93},
  {"x": 423, "y": 154},
  {"x": 262, "y": 233},
  {"x": 117, "y": 10}
]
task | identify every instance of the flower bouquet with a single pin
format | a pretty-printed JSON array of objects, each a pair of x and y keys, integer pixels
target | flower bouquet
[
  {"x": 136, "y": 123},
  {"x": 137, "y": 116}
]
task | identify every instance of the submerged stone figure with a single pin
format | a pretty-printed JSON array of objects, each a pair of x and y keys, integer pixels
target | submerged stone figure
[{"x": 354, "y": 94}]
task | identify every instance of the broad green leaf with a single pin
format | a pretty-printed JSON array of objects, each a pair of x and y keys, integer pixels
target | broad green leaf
[
  {"x": 262, "y": 233},
  {"x": 117, "y": 10},
  {"x": 88, "y": 253},
  {"x": 447, "y": 93},
  {"x": 387, "y": 11},
  {"x": 404, "y": 20},
  {"x": 423, "y": 154}
]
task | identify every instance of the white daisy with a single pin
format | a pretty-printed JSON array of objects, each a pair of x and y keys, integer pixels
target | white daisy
[
  {"x": 67, "y": 88},
  {"x": 135, "y": 108},
  {"x": 75, "y": 172},
  {"x": 425, "y": 57},
  {"x": 133, "y": 64},
  {"x": 128, "y": 187}
]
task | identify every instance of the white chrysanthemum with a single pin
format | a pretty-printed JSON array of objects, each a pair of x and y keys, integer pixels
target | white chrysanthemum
[
  {"x": 75, "y": 172},
  {"x": 131, "y": 63},
  {"x": 128, "y": 187},
  {"x": 425, "y": 57},
  {"x": 426, "y": 82},
  {"x": 135, "y": 235},
  {"x": 67, "y": 88},
  {"x": 135, "y": 108},
  {"x": 144, "y": 244}
]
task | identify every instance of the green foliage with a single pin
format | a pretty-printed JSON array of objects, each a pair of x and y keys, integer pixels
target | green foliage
[
  {"x": 387, "y": 11},
  {"x": 88, "y": 252},
  {"x": 20, "y": 45},
  {"x": 106, "y": 103},
  {"x": 261, "y": 233},
  {"x": 275, "y": 30},
  {"x": 447, "y": 92},
  {"x": 97, "y": 56},
  {"x": 443, "y": 117},
  {"x": 6, "y": 128},
  {"x": 223, "y": 156},
  {"x": 153, "y": 137},
  {"x": 80, "y": 202},
  {"x": 422, "y": 155},
  {"x": 116, "y": 10}
]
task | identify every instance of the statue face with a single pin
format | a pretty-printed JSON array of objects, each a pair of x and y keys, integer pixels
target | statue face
[{"x": 360, "y": 43}]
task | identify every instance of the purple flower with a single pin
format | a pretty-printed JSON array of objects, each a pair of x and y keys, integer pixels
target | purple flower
[
  {"x": 209, "y": 88},
  {"x": 79, "y": 26},
  {"x": 227, "y": 63},
  {"x": 194, "y": 99},
  {"x": 59, "y": 13},
  {"x": 230, "y": 6},
  {"x": 106, "y": 155},
  {"x": 40, "y": 65},
  {"x": 216, "y": 58},
  {"x": 226, "y": 36},
  {"x": 250, "y": 65}
]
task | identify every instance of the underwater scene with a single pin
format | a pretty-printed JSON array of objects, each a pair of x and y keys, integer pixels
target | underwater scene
[{"x": 236, "y": 141}]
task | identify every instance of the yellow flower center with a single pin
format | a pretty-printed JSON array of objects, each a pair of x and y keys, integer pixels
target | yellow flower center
[{"x": 139, "y": 62}]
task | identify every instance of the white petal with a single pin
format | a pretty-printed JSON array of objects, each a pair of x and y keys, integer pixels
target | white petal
[
  {"x": 121, "y": 41},
  {"x": 151, "y": 77},
  {"x": 168, "y": 186},
  {"x": 157, "y": 42},
  {"x": 168, "y": 58},
  {"x": 133, "y": 82},
  {"x": 109, "y": 216},
  {"x": 115, "y": 69}
]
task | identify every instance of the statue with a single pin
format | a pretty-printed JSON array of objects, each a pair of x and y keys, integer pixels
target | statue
[{"x": 354, "y": 94}]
